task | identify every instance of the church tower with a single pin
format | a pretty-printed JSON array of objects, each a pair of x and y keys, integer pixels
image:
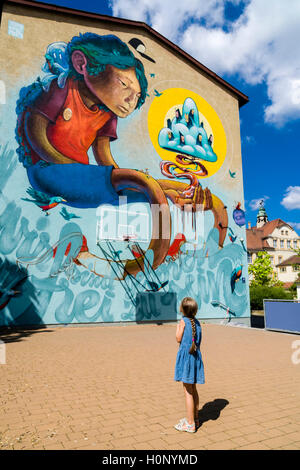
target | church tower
[{"x": 262, "y": 217}]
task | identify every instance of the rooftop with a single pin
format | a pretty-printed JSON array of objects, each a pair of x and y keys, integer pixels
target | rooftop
[
  {"x": 295, "y": 259},
  {"x": 113, "y": 21},
  {"x": 257, "y": 237}
]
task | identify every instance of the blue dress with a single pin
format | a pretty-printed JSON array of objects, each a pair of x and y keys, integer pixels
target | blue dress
[{"x": 189, "y": 368}]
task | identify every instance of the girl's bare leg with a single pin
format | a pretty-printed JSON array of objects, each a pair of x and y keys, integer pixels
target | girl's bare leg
[
  {"x": 196, "y": 403},
  {"x": 189, "y": 401}
]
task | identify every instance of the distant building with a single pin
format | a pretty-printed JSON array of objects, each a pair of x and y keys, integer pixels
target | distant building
[{"x": 279, "y": 240}]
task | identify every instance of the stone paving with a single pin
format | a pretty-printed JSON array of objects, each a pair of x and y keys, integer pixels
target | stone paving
[{"x": 112, "y": 387}]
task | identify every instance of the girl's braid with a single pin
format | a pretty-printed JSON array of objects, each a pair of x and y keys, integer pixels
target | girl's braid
[{"x": 193, "y": 348}]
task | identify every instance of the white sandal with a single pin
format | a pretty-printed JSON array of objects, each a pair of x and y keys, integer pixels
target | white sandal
[{"x": 183, "y": 425}]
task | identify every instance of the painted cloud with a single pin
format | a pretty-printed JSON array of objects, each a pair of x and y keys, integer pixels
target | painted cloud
[{"x": 186, "y": 134}]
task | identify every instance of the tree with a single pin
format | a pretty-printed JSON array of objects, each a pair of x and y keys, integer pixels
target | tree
[{"x": 262, "y": 271}]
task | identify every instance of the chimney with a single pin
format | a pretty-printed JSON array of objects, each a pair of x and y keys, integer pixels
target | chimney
[{"x": 249, "y": 224}]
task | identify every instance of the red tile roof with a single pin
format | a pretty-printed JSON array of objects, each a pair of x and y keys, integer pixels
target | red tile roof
[
  {"x": 295, "y": 259},
  {"x": 241, "y": 97},
  {"x": 256, "y": 237}
]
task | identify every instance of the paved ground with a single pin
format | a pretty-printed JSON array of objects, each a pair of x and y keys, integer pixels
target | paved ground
[{"x": 111, "y": 387}]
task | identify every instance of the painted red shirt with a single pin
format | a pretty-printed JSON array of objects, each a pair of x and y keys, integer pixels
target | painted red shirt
[{"x": 73, "y": 126}]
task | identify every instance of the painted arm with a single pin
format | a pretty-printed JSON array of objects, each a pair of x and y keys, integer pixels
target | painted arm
[
  {"x": 102, "y": 153},
  {"x": 180, "y": 330},
  {"x": 36, "y": 130}
]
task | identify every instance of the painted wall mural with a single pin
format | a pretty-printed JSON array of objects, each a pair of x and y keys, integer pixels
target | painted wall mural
[{"x": 86, "y": 236}]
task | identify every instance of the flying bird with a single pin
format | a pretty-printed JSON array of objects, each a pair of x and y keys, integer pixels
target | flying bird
[
  {"x": 157, "y": 93},
  {"x": 235, "y": 276},
  {"x": 156, "y": 287},
  {"x": 42, "y": 200},
  {"x": 232, "y": 238},
  {"x": 232, "y": 174},
  {"x": 68, "y": 215}
]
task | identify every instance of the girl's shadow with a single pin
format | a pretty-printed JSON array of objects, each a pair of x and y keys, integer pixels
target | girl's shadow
[{"x": 211, "y": 410}]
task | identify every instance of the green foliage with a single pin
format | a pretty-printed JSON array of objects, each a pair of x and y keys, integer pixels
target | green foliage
[
  {"x": 258, "y": 293},
  {"x": 261, "y": 270}
]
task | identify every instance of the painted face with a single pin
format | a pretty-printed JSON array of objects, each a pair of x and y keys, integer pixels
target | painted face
[{"x": 118, "y": 89}]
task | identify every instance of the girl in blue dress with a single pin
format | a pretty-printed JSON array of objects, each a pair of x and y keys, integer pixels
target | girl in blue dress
[{"x": 189, "y": 367}]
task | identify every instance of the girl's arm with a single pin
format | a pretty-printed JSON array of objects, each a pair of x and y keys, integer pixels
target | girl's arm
[{"x": 180, "y": 330}]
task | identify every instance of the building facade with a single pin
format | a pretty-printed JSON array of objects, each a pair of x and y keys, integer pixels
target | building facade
[
  {"x": 121, "y": 173},
  {"x": 279, "y": 240}
]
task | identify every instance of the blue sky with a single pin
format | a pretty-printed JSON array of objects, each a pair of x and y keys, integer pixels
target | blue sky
[{"x": 252, "y": 44}]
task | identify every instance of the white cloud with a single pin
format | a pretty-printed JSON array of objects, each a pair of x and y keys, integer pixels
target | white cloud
[
  {"x": 168, "y": 16},
  {"x": 249, "y": 139},
  {"x": 291, "y": 199},
  {"x": 254, "y": 204},
  {"x": 260, "y": 46},
  {"x": 295, "y": 225}
]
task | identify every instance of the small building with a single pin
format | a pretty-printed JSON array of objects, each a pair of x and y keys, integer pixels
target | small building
[
  {"x": 289, "y": 270},
  {"x": 279, "y": 240}
]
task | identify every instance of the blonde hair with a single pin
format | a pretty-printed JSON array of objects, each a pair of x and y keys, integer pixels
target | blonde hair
[{"x": 189, "y": 308}]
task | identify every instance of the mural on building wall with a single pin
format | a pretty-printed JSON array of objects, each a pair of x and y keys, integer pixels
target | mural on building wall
[{"x": 75, "y": 271}]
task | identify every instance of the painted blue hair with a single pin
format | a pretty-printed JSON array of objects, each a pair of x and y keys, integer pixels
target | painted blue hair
[{"x": 101, "y": 51}]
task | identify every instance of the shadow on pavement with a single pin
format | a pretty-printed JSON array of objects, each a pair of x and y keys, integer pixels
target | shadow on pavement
[
  {"x": 14, "y": 335},
  {"x": 211, "y": 410}
]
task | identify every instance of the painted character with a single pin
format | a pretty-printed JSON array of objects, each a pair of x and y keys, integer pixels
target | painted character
[
  {"x": 57, "y": 125},
  {"x": 56, "y": 128},
  {"x": 239, "y": 215}
]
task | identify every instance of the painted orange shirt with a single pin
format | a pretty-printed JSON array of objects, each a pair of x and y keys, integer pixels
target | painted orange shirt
[{"x": 76, "y": 126}]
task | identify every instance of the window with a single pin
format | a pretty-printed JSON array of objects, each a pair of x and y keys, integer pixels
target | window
[
  {"x": 272, "y": 259},
  {"x": 249, "y": 258},
  {"x": 275, "y": 243},
  {"x": 282, "y": 269},
  {"x": 295, "y": 244},
  {"x": 279, "y": 259},
  {"x": 296, "y": 267},
  {"x": 288, "y": 243},
  {"x": 286, "y": 232},
  {"x": 281, "y": 243},
  {"x": 282, "y": 232}
]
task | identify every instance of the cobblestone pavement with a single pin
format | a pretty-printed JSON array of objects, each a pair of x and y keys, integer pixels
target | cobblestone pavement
[{"x": 112, "y": 387}]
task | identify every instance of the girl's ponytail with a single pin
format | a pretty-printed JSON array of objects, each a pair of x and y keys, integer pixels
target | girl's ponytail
[{"x": 193, "y": 348}]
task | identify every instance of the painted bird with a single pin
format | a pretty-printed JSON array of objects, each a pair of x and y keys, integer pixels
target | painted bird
[
  {"x": 42, "y": 200},
  {"x": 232, "y": 238},
  {"x": 235, "y": 276},
  {"x": 232, "y": 174},
  {"x": 156, "y": 287},
  {"x": 157, "y": 93},
  {"x": 174, "y": 249},
  {"x": 11, "y": 279},
  {"x": 68, "y": 215},
  {"x": 152, "y": 75}
]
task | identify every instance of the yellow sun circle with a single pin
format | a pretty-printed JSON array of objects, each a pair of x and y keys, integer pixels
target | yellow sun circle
[{"x": 163, "y": 107}]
